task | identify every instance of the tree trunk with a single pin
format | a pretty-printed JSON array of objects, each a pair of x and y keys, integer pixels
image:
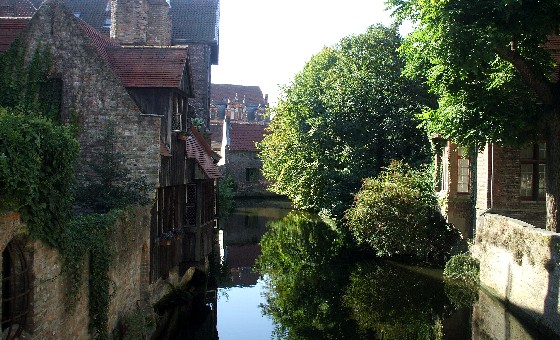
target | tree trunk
[{"x": 553, "y": 171}]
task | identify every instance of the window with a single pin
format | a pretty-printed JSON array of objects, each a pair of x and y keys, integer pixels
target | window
[
  {"x": 179, "y": 109},
  {"x": 533, "y": 160},
  {"x": 252, "y": 174},
  {"x": 463, "y": 171}
]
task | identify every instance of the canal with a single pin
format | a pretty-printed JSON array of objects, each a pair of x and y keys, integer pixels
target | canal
[{"x": 309, "y": 285}]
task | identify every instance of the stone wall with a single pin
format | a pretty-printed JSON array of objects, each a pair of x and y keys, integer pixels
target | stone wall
[
  {"x": 53, "y": 313},
  {"x": 519, "y": 264},
  {"x": 237, "y": 164},
  {"x": 492, "y": 320},
  {"x": 92, "y": 95}
]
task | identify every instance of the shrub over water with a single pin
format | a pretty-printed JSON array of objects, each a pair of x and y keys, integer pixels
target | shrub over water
[
  {"x": 462, "y": 268},
  {"x": 396, "y": 215}
]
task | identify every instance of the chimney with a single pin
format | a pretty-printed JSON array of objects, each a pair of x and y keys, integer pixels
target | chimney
[
  {"x": 159, "y": 23},
  {"x": 129, "y": 21}
]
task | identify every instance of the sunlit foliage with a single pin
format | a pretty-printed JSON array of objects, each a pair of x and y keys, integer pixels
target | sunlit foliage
[
  {"x": 348, "y": 113},
  {"x": 396, "y": 215}
]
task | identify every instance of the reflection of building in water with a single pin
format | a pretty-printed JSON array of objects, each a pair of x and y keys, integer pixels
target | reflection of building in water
[
  {"x": 241, "y": 259},
  {"x": 242, "y": 233}
]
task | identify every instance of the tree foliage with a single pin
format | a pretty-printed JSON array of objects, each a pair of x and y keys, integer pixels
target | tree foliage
[
  {"x": 487, "y": 63},
  {"x": 396, "y": 215},
  {"x": 348, "y": 113},
  {"x": 493, "y": 72}
]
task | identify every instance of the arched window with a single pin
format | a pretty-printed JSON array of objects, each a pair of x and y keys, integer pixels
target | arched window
[{"x": 16, "y": 290}]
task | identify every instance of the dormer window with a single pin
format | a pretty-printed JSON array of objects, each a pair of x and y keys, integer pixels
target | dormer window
[
  {"x": 77, "y": 14},
  {"x": 107, "y": 22}
]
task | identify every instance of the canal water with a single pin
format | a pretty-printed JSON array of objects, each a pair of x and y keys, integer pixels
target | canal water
[{"x": 310, "y": 286}]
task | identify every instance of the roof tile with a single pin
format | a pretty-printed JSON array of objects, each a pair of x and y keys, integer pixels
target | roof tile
[
  {"x": 242, "y": 137},
  {"x": 198, "y": 149},
  {"x": 220, "y": 93},
  {"x": 149, "y": 66},
  {"x": 10, "y": 28}
]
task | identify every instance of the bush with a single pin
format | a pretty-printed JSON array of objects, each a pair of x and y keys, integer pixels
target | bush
[
  {"x": 461, "y": 276},
  {"x": 463, "y": 268},
  {"x": 396, "y": 215}
]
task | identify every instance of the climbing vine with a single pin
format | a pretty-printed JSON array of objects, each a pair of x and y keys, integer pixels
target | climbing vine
[
  {"x": 36, "y": 172},
  {"x": 37, "y": 167}
]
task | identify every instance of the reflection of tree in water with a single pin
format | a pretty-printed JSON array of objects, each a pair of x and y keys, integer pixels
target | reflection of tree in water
[
  {"x": 316, "y": 291},
  {"x": 395, "y": 302}
]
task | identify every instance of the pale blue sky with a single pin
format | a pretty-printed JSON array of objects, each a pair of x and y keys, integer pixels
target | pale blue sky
[{"x": 265, "y": 42}]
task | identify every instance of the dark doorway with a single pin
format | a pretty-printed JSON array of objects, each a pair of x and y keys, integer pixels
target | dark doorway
[{"x": 15, "y": 290}]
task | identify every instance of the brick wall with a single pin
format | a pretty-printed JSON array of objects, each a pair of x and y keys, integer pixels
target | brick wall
[
  {"x": 457, "y": 206},
  {"x": 201, "y": 73},
  {"x": 129, "y": 21},
  {"x": 499, "y": 172},
  {"x": 159, "y": 25},
  {"x": 519, "y": 264}
]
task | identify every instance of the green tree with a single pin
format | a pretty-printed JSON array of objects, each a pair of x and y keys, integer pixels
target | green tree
[
  {"x": 396, "y": 215},
  {"x": 348, "y": 113},
  {"x": 488, "y": 63}
]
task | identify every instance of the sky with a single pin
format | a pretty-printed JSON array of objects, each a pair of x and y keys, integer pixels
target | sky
[{"x": 266, "y": 42}]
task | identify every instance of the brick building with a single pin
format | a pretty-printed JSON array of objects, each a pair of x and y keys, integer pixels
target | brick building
[
  {"x": 240, "y": 159},
  {"x": 145, "y": 93}
]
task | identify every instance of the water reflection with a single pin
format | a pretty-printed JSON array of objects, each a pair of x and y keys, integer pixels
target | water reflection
[
  {"x": 317, "y": 287},
  {"x": 239, "y": 315}
]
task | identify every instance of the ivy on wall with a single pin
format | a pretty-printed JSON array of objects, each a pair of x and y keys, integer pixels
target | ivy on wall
[
  {"x": 36, "y": 172},
  {"x": 37, "y": 177}
]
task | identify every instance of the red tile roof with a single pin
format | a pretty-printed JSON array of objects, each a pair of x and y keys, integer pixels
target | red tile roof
[
  {"x": 198, "y": 149},
  {"x": 100, "y": 41},
  {"x": 242, "y": 137},
  {"x": 149, "y": 66},
  {"x": 9, "y": 30},
  {"x": 220, "y": 93}
]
